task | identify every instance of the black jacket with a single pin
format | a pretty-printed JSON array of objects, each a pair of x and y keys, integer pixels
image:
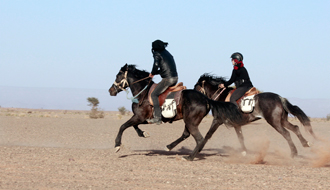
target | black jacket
[
  {"x": 164, "y": 64},
  {"x": 240, "y": 77}
]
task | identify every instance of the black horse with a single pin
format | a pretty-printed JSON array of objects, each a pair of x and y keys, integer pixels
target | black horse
[
  {"x": 272, "y": 107},
  {"x": 193, "y": 107}
]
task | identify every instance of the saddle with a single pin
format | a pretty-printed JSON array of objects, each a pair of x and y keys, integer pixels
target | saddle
[
  {"x": 252, "y": 91},
  {"x": 178, "y": 87}
]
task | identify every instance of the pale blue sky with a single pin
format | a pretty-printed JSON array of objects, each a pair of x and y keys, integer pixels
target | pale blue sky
[{"x": 83, "y": 44}]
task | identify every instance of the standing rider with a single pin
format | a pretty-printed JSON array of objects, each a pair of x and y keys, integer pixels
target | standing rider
[
  {"x": 239, "y": 76},
  {"x": 165, "y": 66}
]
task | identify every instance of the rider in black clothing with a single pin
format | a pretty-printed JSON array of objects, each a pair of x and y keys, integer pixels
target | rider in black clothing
[
  {"x": 165, "y": 66},
  {"x": 239, "y": 76}
]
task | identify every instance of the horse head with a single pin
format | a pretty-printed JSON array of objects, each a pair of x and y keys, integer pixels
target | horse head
[
  {"x": 127, "y": 76},
  {"x": 208, "y": 84},
  {"x": 121, "y": 82}
]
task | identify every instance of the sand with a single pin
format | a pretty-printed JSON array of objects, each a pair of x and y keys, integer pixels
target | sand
[{"x": 58, "y": 149}]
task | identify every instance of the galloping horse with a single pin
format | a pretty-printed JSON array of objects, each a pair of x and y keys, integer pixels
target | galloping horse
[
  {"x": 272, "y": 107},
  {"x": 192, "y": 108}
]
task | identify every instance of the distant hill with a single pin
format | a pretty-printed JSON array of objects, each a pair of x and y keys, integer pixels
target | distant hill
[
  {"x": 60, "y": 98},
  {"x": 76, "y": 99}
]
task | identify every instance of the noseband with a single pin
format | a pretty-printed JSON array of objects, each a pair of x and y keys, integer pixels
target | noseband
[{"x": 121, "y": 85}]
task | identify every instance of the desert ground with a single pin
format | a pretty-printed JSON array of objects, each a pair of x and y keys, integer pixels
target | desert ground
[{"x": 58, "y": 149}]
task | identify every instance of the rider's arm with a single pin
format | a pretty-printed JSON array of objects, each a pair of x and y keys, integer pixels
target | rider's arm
[
  {"x": 231, "y": 80},
  {"x": 155, "y": 67}
]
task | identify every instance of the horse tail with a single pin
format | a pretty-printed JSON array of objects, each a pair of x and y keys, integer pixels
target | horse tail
[
  {"x": 297, "y": 112},
  {"x": 226, "y": 112}
]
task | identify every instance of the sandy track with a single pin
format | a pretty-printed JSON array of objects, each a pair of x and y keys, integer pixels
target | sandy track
[{"x": 66, "y": 150}]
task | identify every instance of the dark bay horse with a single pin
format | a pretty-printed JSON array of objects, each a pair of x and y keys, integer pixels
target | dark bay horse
[
  {"x": 270, "y": 106},
  {"x": 193, "y": 107}
]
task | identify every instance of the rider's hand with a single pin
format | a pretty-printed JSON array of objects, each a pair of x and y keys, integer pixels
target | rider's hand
[
  {"x": 151, "y": 75},
  {"x": 221, "y": 85}
]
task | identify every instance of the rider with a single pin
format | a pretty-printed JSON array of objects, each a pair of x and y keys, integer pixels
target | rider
[
  {"x": 239, "y": 76},
  {"x": 165, "y": 66}
]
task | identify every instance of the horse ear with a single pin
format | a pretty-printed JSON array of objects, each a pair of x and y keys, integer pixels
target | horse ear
[{"x": 124, "y": 68}]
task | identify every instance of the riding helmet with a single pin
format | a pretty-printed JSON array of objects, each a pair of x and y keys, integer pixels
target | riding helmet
[
  {"x": 237, "y": 56},
  {"x": 159, "y": 45}
]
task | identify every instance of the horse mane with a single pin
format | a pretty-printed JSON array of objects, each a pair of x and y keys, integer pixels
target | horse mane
[
  {"x": 211, "y": 79},
  {"x": 137, "y": 73}
]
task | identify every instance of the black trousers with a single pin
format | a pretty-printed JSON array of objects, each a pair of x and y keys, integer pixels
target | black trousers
[
  {"x": 238, "y": 93},
  {"x": 160, "y": 88}
]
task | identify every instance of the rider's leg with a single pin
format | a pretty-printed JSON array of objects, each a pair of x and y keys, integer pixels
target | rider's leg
[
  {"x": 160, "y": 88},
  {"x": 238, "y": 93}
]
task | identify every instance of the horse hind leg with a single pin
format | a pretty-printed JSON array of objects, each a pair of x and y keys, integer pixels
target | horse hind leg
[
  {"x": 140, "y": 132},
  {"x": 285, "y": 133},
  {"x": 214, "y": 126},
  {"x": 295, "y": 130},
  {"x": 184, "y": 135}
]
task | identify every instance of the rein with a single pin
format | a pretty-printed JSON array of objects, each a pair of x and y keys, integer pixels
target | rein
[
  {"x": 202, "y": 90},
  {"x": 218, "y": 94},
  {"x": 141, "y": 80}
]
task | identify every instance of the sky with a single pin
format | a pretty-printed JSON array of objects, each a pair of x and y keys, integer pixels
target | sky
[{"x": 83, "y": 44}]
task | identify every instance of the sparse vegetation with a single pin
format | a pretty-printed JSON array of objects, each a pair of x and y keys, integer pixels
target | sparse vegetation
[
  {"x": 123, "y": 111},
  {"x": 328, "y": 117},
  {"x": 95, "y": 111}
]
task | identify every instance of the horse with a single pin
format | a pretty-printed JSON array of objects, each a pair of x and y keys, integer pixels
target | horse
[
  {"x": 270, "y": 106},
  {"x": 192, "y": 108}
]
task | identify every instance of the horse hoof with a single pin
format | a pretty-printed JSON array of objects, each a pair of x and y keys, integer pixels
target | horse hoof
[
  {"x": 167, "y": 149},
  {"x": 243, "y": 153},
  {"x": 146, "y": 134},
  {"x": 117, "y": 149},
  {"x": 309, "y": 144},
  {"x": 186, "y": 158}
]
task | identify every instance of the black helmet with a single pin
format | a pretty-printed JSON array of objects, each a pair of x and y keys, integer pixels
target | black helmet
[
  {"x": 237, "y": 56},
  {"x": 159, "y": 45}
]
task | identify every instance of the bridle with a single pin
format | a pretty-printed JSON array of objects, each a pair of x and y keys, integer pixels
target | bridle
[
  {"x": 123, "y": 84},
  {"x": 202, "y": 89},
  {"x": 215, "y": 96}
]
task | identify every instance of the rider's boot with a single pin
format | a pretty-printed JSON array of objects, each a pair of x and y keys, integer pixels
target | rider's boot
[
  {"x": 157, "y": 117},
  {"x": 156, "y": 120}
]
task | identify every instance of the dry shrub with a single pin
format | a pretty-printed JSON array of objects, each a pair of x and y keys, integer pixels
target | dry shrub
[
  {"x": 96, "y": 113},
  {"x": 123, "y": 111},
  {"x": 328, "y": 117}
]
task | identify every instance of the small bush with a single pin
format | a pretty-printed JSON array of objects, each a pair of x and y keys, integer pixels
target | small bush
[
  {"x": 95, "y": 111},
  {"x": 123, "y": 110},
  {"x": 328, "y": 117}
]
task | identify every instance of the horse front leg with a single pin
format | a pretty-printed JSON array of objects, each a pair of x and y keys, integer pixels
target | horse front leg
[
  {"x": 239, "y": 133},
  {"x": 133, "y": 121}
]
